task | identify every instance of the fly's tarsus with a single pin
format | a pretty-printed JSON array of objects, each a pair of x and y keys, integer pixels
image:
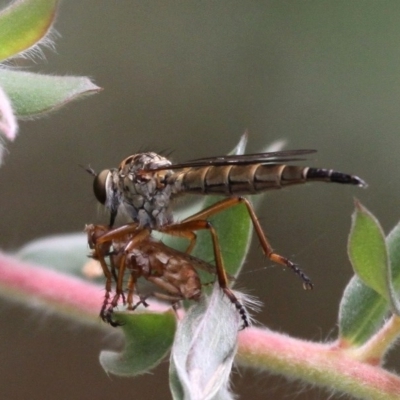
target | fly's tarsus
[{"x": 307, "y": 284}]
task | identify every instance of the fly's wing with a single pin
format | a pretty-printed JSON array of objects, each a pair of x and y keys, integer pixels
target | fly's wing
[{"x": 275, "y": 157}]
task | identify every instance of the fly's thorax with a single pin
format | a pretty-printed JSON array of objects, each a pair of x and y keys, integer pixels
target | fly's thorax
[{"x": 144, "y": 192}]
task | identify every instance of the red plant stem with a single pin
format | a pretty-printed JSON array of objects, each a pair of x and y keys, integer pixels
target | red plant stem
[{"x": 326, "y": 365}]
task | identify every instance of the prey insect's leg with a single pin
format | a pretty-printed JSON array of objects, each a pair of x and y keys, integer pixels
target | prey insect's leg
[
  {"x": 139, "y": 237},
  {"x": 99, "y": 256},
  {"x": 118, "y": 262},
  {"x": 131, "y": 289},
  {"x": 232, "y": 201},
  {"x": 142, "y": 300},
  {"x": 107, "y": 307},
  {"x": 191, "y": 225}
]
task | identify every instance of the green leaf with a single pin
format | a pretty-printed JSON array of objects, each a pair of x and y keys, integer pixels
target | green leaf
[
  {"x": 367, "y": 250},
  {"x": 234, "y": 233},
  {"x": 23, "y": 24},
  {"x": 34, "y": 94},
  {"x": 362, "y": 309},
  {"x": 148, "y": 338}
]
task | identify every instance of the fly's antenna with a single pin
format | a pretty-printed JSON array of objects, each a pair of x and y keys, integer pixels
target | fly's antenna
[{"x": 89, "y": 169}]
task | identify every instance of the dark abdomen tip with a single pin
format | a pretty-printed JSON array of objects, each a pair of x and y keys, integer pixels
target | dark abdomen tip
[{"x": 329, "y": 175}]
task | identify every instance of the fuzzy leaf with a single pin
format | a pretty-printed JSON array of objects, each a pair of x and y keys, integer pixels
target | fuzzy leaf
[
  {"x": 361, "y": 313},
  {"x": 148, "y": 337},
  {"x": 204, "y": 348},
  {"x": 34, "y": 94},
  {"x": 23, "y": 24}
]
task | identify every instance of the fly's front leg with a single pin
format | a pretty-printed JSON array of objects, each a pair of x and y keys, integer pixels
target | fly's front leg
[
  {"x": 190, "y": 225},
  {"x": 268, "y": 251}
]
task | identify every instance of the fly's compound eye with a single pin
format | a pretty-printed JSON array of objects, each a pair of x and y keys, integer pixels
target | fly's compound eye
[{"x": 99, "y": 186}]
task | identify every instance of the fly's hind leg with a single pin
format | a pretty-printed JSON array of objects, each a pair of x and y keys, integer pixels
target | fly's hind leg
[{"x": 267, "y": 249}]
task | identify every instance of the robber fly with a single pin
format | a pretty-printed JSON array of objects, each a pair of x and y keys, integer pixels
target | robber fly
[
  {"x": 173, "y": 271},
  {"x": 145, "y": 185}
]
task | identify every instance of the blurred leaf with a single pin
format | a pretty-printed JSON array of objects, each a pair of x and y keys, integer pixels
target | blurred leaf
[
  {"x": 64, "y": 253},
  {"x": 23, "y": 24},
  {"x": 33, "y": 94},
  {"x": 148, "y": 338}
]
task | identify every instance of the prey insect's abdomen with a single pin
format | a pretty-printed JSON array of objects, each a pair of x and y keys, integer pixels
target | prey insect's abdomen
[{"x": 251, "y": 179}]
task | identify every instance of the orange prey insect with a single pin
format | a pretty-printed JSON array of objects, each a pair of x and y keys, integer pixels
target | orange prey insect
[{"x": 171, "y": 270}]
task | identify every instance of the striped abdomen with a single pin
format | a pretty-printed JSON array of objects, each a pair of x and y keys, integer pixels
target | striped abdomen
[{"x": 250, "y": 179}]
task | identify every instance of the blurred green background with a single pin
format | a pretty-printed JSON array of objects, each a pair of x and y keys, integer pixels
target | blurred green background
[{"x": 190, "y": 77}]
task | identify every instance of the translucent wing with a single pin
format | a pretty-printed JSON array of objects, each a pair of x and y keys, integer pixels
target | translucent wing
[{"x": 245, "y": 159}]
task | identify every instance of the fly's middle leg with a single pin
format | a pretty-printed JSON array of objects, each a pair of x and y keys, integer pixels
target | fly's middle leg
[{"x": 268, "y": 251}]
